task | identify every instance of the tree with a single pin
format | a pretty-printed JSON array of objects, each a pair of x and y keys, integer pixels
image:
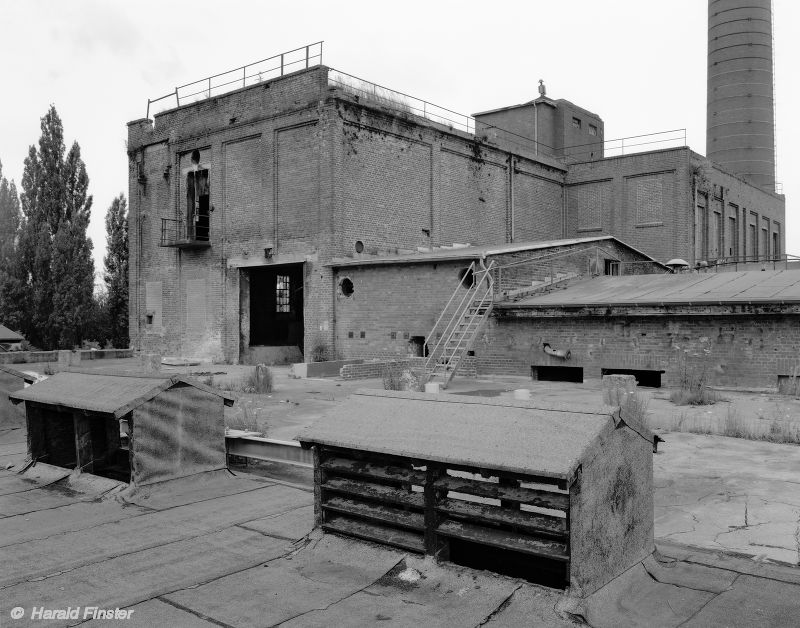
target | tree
[
  {"x": 9, "y": 232},
  {"x": 53, "y": 275},
  {"x": 116, "y": 272}
]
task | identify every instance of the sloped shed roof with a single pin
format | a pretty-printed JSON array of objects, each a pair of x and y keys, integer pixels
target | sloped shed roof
[
  {"x": 745, "y": 287},
  {"x": 7, "y": 335},
  {"x": 530, "y": 438},
  {"x": 10, "y": 370},
  {"x": 107, "y": 394}
]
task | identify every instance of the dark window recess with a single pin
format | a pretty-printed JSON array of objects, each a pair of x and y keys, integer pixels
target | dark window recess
[
  {"x": 359, "y": 246},
  {"x": 346, "y": 287},
  {"x": 592, "y": 129},
  {"x": 535, "y": 569},
  {"x": 350, "y": 334},
  {"x": 576, "y": 122},
  {"x": 647, "y": 378},
  {"x": 418, "y": 348},
  {"x": 197, "y": 205},
  {"x": 611, "y": 267},
  {"x": 393, "y": 335},
  {"x": 283, "y": 294},
  {"x": 557, "y": 374},
  {"x": 363, "y": 334},
  {"x": 466, "y": 277}
]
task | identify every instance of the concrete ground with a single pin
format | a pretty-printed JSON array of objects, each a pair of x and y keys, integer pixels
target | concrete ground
[
  {"x": 219, "y": 550},
  {"x": 711, "y": 491}
]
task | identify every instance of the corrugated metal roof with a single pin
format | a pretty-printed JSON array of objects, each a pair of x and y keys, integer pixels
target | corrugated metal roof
[
  {"x": 7, "y": 335},
  {"x": 508, "y": 435},
  {"x": 108, "y": 394},
  {"x": 772, "y": 286},
  {"x": 471, "y": 252}
]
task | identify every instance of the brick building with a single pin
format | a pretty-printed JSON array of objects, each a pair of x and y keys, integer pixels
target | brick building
[
  {"x": 740, "y": 328},
  {"x": 240, "y": 202}
]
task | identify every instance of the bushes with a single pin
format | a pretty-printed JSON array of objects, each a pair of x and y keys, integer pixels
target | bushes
[{"x": 694, "y": 377}]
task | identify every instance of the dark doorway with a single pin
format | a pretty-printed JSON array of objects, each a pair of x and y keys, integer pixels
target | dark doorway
[
  {"x": 557, "y": 374},
  {"x": 651, "y": 379},
  {"x": 197, "y": 205},
  {"x": 417, "y": 347},
  {"x": 276, "y": 306}
]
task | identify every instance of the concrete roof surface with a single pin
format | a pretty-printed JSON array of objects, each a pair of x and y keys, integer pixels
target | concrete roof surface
[
  {"x": 744, "y": 287},
  {"x": 519, "y": 437},
  {"x": 96, "y": 392},
  {"x": 472, "y": 252},
  {"x": 8, "y": 335}
]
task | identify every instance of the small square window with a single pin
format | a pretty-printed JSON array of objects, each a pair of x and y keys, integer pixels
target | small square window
[
  {"x": 349, "y": 334},
  {"x": 592, "y": 129},
  {"x": 393, "y": 335},
  {"x": 363, "y": 334},
  {"x": 576, "y": 122}
]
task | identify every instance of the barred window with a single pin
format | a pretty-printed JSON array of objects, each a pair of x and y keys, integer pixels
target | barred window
[{"x": 282, "y": 294}]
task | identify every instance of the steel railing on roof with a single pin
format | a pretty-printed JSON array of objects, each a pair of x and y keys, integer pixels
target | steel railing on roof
[{"x": 250, "y": 74}]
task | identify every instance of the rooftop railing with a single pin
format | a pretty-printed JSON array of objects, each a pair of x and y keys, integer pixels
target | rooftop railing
[{"x": 250, "y": 74}]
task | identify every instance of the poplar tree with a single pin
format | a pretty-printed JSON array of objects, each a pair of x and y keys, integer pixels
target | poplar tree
[
  {"x": 53, "y": 274},
  {"x": 116, "y": 272},
  {"x": 9, "y": 232}
]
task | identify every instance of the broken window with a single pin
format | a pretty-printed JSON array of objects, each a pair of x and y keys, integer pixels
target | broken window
[
  {"x": 198, "y": 196},
  {"x": 592, "y": 129},
  {"x": 282, "y": 294}
]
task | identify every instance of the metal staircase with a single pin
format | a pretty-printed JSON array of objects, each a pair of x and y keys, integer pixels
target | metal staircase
[{"x": 459, "y": 323}]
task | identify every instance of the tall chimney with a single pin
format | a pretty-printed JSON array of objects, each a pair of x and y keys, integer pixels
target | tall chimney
[{"x": 740, "y": 123}]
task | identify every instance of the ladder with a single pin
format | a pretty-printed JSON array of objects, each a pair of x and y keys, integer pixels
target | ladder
[{"x": 459, "y": 323}]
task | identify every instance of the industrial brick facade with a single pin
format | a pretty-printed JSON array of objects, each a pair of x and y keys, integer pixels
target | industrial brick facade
[
  {"x": 742, "y": 349},
  {"x": 301, "y": 172},
  {"x": 394, "y": 305}
]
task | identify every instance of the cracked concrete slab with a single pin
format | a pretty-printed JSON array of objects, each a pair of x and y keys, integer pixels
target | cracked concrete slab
[
  {"x": 294, "y": 524},
  {"x": 635, "y": 599},
  {"x": 321, "y": 574},
  {"x": 531, "y": 605},
  {"x": 697, "y": 577},
  {"x": 154, "y": 613},
  {"x": 133, "y": 578},
  {"x": 434, "y": 596},
  {"x": 705, "y": 496},
  {"x": 751, "y": 602}
]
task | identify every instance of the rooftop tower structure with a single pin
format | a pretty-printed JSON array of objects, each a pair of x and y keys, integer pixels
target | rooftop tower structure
[{"x": 740, "y": 129}]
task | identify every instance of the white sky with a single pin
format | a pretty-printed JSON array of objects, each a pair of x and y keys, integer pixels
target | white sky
[{"x": 639, "y": 64}]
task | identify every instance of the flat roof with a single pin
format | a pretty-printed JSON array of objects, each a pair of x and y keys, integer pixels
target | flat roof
[
  {"x": 530, "y": 438},
  {"x": 772, "y": 286},
  {"x": 106, "y": 394},
  {"x": 471, "y": 252}
]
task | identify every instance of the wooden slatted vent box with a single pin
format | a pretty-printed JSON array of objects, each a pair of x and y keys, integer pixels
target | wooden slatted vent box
[{"x": 557, "y": 495}]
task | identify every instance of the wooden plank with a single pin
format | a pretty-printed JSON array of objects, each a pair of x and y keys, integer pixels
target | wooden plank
[
  {"x": 530, "y": 496},
  {"x": 377, "y": 492},
  {"x": 374, "y": 470},
  {"x": 319, "y": 478},
  {"x": 379, "y": 534},
  {"x": 376, "y": 512},
  {"x": 555, "y": 527},
  {"x": 505, "y": 540}
]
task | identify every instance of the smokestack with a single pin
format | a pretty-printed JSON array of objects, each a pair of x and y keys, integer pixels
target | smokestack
[{"x": 740, "y": 124}]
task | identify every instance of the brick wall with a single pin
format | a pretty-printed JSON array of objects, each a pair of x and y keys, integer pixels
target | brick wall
[
  {"x": 746, "y": 351},
  {"x": 643, "y": 199}
]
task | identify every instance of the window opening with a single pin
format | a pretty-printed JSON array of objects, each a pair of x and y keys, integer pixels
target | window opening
[
  {"x": 592, "y": 129},
  {"x": 282, "y": 293},
  {"x": 346, "y": 287},
  {"x": 197, "y": 200},
  {"x": 611, "y": 267},
  {"x": 576, "y": 122}
]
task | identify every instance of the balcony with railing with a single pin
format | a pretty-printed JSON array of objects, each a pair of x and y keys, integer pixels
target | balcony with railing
[{"x": 176, "y": 232}]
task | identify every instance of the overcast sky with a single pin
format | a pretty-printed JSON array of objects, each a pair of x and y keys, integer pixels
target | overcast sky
[{"x": 639, "y": 64}]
